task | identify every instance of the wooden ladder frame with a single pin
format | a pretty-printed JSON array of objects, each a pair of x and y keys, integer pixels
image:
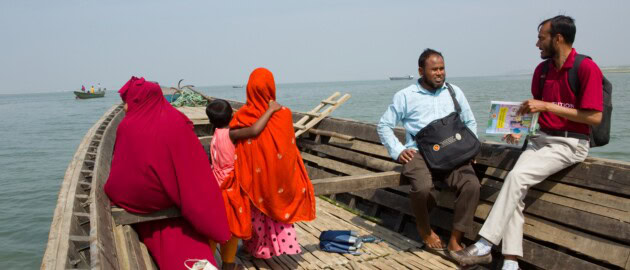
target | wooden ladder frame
[{"x": 316, "y": 116}]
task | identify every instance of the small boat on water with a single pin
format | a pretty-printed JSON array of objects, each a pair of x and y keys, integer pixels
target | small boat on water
[
  {"x": 408, "y": 77},
  {"x": 238, "y": 86},
  {"x": 579, "y": 218},
  {"x": 86, "y": 95}
]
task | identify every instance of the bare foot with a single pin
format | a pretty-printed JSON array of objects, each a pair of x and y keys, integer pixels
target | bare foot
[
  {"x": 432, "y": 241},
  {"x": 454, "y": 246},
  {"x": 455, "y": 240}
]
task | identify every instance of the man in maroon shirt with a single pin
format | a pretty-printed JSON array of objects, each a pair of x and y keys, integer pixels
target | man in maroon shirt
[{"x": 563, "y": 139}]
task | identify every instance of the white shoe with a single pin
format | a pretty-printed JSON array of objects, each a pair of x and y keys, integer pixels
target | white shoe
[{"x": 200, "y": 265}]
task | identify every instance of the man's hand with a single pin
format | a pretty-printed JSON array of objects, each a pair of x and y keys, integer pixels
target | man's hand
[
  {"x": 532, "y": 106},
  {"x": 406, "y": 155},
  {"x": 511, "y": 138}
]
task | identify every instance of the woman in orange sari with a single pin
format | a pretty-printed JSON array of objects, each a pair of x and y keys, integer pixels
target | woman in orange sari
[{"x": 269, "y": 189}]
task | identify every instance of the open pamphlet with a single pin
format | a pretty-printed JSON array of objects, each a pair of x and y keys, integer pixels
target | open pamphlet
[{"x": 504, "y": 119}]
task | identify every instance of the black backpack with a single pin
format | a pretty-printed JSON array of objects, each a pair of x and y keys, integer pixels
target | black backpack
[{"x": 600, "y": 134}]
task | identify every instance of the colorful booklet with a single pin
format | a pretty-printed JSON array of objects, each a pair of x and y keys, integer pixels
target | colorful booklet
[{"x": 504, "y": 119}]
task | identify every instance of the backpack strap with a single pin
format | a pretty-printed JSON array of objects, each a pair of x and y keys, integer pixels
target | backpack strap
[
  {"x": 458, "y": 109},
  {"x": 543, "y": 77},
  {"x": 574, "y": 80}
]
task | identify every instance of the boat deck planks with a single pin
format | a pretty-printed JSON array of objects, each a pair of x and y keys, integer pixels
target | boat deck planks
[
  {"x": 394, "y": 252},
  {"x": 196, "y": 114}
]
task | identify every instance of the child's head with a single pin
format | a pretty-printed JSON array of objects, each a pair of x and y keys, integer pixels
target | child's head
[{"x": 219, "y": 113}]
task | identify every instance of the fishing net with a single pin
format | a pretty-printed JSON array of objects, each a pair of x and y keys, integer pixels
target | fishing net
[{"x": 189, "y": 98}]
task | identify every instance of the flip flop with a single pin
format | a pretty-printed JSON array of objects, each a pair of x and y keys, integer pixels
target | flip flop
[{"x": 439, "y": 250}]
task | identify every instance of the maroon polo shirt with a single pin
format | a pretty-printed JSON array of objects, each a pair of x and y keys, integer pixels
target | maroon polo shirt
[{"x": 558, "y": 91}]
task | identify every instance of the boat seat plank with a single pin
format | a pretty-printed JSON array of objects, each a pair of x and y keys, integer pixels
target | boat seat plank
[
  {"x": 595, "y": 174},
  {"x": 321, "y": 186},
  {"x": 534, "y": 253},
  {"x": 351, "y": 156},
  {"x": 196, "y": 114},
  {"x": 361, "y": 146},
  {"x": 542, "y": 229},
  {"x": 577, "y": 193}
]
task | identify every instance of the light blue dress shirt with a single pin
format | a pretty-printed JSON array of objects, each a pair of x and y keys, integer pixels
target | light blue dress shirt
[{"x": 416, "y": 107}]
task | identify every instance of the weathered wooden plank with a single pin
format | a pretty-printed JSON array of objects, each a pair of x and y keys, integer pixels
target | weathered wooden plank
[
  {"x": 582, "y": 194},
  {"x": 57, "y": 249},
  {"x": 334, "y": 165},
  {"x": 586, "y": 216},
  {"x": 322, "y": 187},
  {"x": 136, "y": 258},
  {"x": 362, "y": 131},
  {"x": 567, "y": 211},
  {"x": 534, "y": 253},
  {"x": 353, "y": 183},
  {"x": 545, "y": 230},
  {"x": 362, "y": 146},
  {"x": 101, "y": 224},
  {"x": 599, "y": 174},
  {"x": 121, "y": 247},
  {"x": 351, "y": 156},
  {"x": 395, "y": 240},
  {"x": 330, "y": 134},
  {"x": 122, "y": 217}
]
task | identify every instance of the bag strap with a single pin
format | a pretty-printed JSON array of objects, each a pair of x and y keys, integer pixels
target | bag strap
[
  {"x": 458, "y": 109},
  {"x": 574, "y": 80},
  {"x": 543, "y": 77}
]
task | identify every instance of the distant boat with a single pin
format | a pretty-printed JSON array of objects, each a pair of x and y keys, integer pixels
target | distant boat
[
  {"x": 238, "y": 86},
  {"x": 86, "y": 95},
  {"x": 408, "y": 77}
]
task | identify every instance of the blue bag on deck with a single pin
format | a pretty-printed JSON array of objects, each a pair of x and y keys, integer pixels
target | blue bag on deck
[
  {"x": 344, "y": 241},
  {"x": 340, "y": 242}
]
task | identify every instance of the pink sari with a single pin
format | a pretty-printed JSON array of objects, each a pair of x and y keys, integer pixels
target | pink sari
[{"x": 159, "y": 163}]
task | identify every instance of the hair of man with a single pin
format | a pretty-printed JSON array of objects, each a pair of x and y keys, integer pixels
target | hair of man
[
  {"x": 425, "y": 55},
  {"x": 563, "y": 25}
]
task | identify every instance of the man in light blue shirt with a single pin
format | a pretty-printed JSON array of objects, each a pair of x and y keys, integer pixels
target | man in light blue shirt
[{"x": 416, "y": 106}]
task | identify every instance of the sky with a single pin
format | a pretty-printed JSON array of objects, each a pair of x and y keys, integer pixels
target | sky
[{"x": 51, "y": 46}]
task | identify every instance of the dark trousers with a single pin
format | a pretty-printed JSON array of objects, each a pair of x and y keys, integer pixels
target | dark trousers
[{"x": 462, "y": 180}]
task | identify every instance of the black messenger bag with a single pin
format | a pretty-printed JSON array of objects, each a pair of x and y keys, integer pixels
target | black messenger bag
[{"x": 447, "y": 143}]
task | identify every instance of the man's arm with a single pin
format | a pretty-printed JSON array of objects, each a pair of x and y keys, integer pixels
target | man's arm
[
  {"x": 590, "y": 117},
  {"x": 386, "y": 125},
  {"x": 589, "y": 109}
]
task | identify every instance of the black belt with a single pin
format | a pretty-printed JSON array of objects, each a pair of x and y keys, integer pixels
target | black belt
[{"x": 566, "y": 134}]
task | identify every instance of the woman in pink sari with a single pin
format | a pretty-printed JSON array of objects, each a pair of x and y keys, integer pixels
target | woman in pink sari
[{"x": 159, "y": 163}]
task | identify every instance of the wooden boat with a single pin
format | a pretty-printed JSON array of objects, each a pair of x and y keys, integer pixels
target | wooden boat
[
  {"x": 86, "y": 95},
  {"x": 577, "y": 219}
]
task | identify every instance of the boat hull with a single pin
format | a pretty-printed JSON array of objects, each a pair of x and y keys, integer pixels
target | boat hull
[
  {"x": 83, "y": 95},
  {"x": 581, "y": 210}
]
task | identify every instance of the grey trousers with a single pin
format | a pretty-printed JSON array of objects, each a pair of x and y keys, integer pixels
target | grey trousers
[
  {"x": 545, "y": 156},
  {"x": 462, "y": 180}
]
